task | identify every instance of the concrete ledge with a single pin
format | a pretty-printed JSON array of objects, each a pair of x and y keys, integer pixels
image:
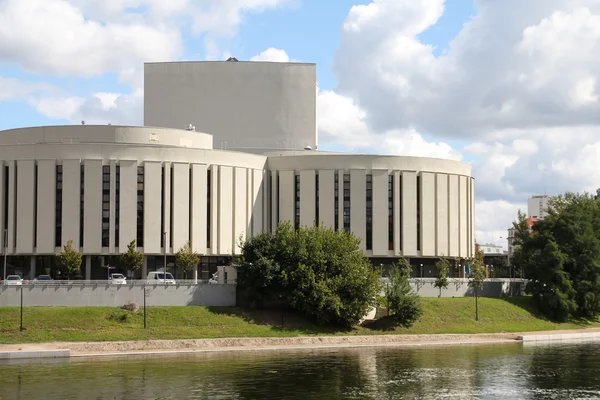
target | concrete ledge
[
  {"x": 560, "y": 337},
  {"x": 20, "y": 355}
]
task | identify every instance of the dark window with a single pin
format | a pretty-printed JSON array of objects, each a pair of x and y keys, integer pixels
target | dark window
[
  {"x": 418, "y": 213},
  {"x": 317, "y": 200},
  {"x": 336, "y": 202},
  {"x": 117, "y": 202},
  {"x": 105, "y": 205},
  {"x": 162, "y": 207},
  {"x": 391, "y": 212},
  {"x": 140, "y": 207},
  {"x": 297, "y": 201},
  {"x": 81, "y": 205},
  {"x": 190, "y": 204},
  {"x": 347, "y": 202},
  {"x": 171, "y": 186},
  {"x": 58, "y": 202},
  {"x": 369, "y": 236},
  {"x": 14, "y": 210},
  {"x": 277, "y": 220},
  {"x": 208, "y": 205},
  {"x": 401, "y": 207},
  {"x": 35, "y": 204},
  {"x": 6, "y": 186}
]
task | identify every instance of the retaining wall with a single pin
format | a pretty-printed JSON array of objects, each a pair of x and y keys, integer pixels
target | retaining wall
[
  {"x": 117, "y": 295},
  {"x": 459, "y": 287}
]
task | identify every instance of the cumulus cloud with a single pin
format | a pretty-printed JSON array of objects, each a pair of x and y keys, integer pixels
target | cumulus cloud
[
  {"x": 11, "y": 89},
  {"x": 272, "y": 54},
  {"x": 343, "y": 123}
]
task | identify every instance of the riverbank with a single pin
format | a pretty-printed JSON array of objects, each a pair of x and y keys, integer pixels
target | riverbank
[{"x": 502, "y": 318}]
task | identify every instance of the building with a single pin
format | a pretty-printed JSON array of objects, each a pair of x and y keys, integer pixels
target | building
[
  {"x": 512, "y": 237},
  {"x": 490, "y": 249},
  {"x": 537, "y": 206},
  {"x": 104, "y": 186},
  {"x": 246, "y": 106}
]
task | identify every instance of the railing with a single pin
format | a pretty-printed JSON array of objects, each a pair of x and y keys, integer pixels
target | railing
[{"x": 129, "y": 282}]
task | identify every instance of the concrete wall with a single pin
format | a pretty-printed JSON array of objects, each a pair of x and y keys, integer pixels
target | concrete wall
[
  {"x": 248, "y": 106},
  {"x": 118, "y": 295},
  {"x": 460, "y": 288}
]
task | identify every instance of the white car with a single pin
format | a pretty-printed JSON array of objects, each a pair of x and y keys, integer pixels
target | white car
[
  {"x": 13, "y": 280},
  {"x": 117, "y": 279},
  {"x": 160, "y": 277}
]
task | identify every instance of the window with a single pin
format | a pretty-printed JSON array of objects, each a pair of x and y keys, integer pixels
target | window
[
  {"x": 208, "y": 182},
  {"x": 35, "y": 204},
  {"x": 391, "y": 212},
  {"x": 162, "y": 206},
  {"x": 105, "y": 205},
  {"x": 117, "y": 202},
  {"x": 317, "y": 200},
  {"x": 297, "y": 201},
  {"x": 58, "y": 202},
  {"x": 140, "y": 207},
  {"x": 369, "y": 183},
  {"x": 6, "y": 179},
  {"x": 277, "y": 205},
  {"x": 401, "y": 207},
  {"x": 347, "y": 202},
  {"x": 81, "y": 201},
  {"x": 170, "y": 244},
  {"x": 336, "y": 203},
  {"x": 418, "y": 213}
]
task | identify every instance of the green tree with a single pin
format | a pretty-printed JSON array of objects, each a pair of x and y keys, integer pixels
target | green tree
[
  {"x": 477, "y": 278},
  {"x": 186, "y": 258},
  {"x": 69, "y": 260},
  {"x": 131, "y": 259},
  {"x": 442, "y": 268},
  {"x": 402, "y": 301},
  {"x": 321, "y": 273},
  {"x": 561, "y": 257}
]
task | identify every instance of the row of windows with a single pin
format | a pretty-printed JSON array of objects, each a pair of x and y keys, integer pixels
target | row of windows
[{"x": 368, "y": 210}]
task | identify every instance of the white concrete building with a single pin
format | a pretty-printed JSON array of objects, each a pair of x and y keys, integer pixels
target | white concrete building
[
  {"x": 104, "y": 186},
  {"x": 246, "y": 106},
  {"x": 537, "y": 206}
]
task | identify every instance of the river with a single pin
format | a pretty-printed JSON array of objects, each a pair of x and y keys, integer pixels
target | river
[{"x": 512, "y": 371}]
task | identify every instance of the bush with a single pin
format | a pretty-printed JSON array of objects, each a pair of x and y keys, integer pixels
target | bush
[
  {"x": 321, "y": 273},
  {"x": 118, "y": 316},
  {"x": 403, "y": 303}
]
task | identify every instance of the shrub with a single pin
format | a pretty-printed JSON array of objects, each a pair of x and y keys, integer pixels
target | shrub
[{"x": 403, "y": 303}]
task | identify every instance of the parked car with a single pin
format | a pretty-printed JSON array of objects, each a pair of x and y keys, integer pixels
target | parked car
[
  {"x": 160, "y": 277},
  {"x": 43, "y": 278},
  {"x": 117, "y": 279},
  {"x": 13, "y": 280}
]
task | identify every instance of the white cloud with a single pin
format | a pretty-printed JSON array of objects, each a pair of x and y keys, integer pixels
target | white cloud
[
  {"x": 11, "y": 89},
  {"x": 343, "y": 123},
  {"x": 272, "y": 54},
  {"x": 55, "y": 37},
  {"x": 493, "y": 218}
]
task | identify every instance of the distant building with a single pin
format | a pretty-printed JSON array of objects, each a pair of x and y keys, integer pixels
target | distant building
[
  {"x": 537, "y": 206},
  {"x": 512, "y": 236},
  {"x": 490, "y": 249}
]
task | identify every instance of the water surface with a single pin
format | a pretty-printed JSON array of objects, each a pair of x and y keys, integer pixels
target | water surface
[{"x": 567, "y": 371}]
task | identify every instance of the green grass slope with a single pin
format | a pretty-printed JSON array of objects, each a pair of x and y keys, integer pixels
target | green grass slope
[{"x": 445, "y": 315}]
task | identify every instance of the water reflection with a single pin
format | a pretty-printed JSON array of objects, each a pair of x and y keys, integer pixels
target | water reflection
[{"x": 463, "y": 372}]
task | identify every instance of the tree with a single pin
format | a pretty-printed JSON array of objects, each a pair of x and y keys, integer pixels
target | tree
[
  {"x": 442, "y": 267},
  {"x": 319, "y": 272},
  {"x": 477, "y": 278},
  {"x": 69, "y": 260},
  {"x": 561, "y": 257},
  {"x": 132, "y": 259},
  {"x": 402, "y": 301},
  {"x": 186, "y": 258}
]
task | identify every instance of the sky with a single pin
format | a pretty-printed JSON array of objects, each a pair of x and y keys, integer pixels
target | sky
[{"x": 509, "y": 86}]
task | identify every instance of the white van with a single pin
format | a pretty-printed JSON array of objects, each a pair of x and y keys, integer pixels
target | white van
[{"x": 159, "y": 277}]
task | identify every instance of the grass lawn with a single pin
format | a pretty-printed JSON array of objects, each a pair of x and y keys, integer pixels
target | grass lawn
[{"x": 445, "y": 315}]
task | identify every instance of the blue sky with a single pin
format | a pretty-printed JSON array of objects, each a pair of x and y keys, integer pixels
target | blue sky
[{"x": 308, "y": 30}]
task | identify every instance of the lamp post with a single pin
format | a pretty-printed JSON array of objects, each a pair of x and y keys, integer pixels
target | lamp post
[{"x": 421, "y": 270}]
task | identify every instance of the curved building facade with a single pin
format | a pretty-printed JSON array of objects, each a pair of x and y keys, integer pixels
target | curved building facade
[{"x": 104, "y": 186}]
